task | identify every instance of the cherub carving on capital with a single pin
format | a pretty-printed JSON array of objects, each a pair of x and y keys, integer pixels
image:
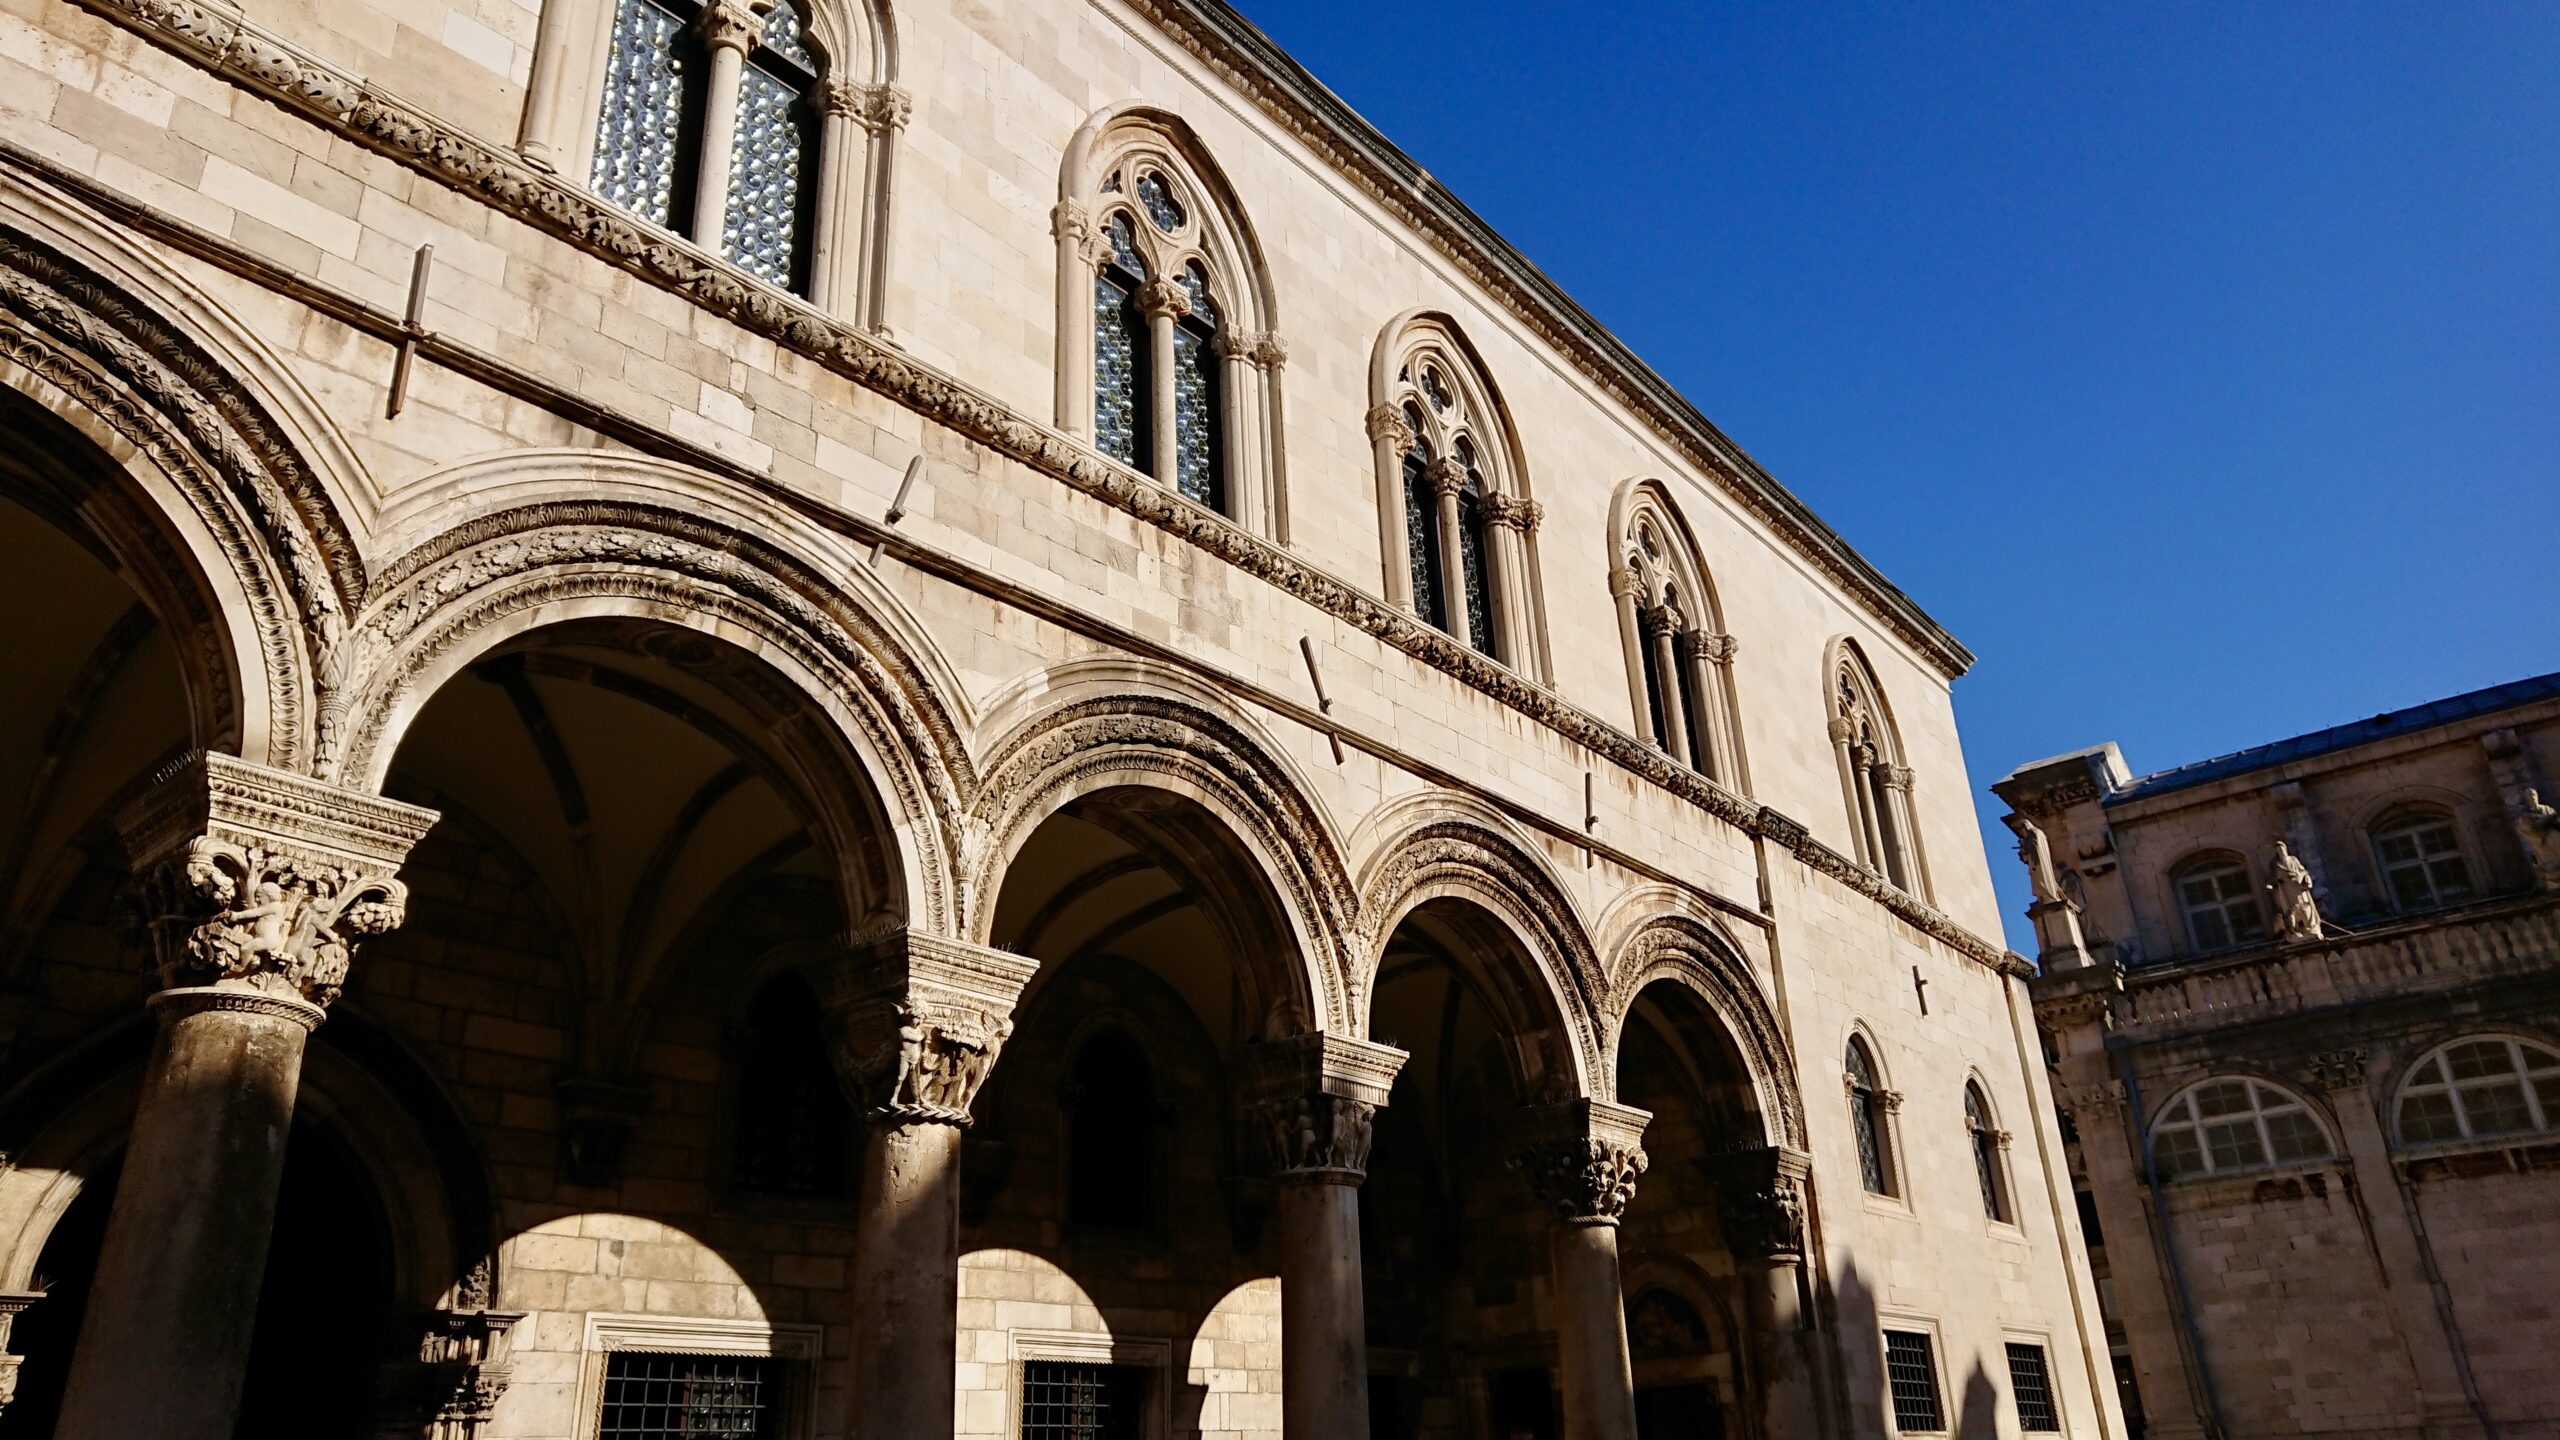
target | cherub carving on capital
[{"x": 246, "y": 914}]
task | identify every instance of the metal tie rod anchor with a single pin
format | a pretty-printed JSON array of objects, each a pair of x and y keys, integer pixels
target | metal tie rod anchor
[
  {"x": 897, "y": 506},
  {"x": 1324, "y": 702},
  {"x": 412, "y": 331}
]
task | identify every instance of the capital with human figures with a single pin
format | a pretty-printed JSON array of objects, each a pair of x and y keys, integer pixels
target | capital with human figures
[
  {"x": 1316, "y": 1096},
  {"x": 257, "y": 880},
  {"x": 1760, "y": 1201},
  {"x": 1582, "y": 1159},
  {"x": 918, "y": 1021}
]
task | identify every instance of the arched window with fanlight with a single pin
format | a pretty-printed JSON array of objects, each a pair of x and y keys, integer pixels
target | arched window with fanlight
[
  {"x": 1678, "y": 657},
  {"x": 1875, "y": 782},
  {"x": 2233, "y": 1125},
  {"x": 2481, "y": 1088},
  {"x": 1987, "y": 1141},
  {"x": 1166, "y": 359},
  {"x": 1456, "y": 529},
  {"x": 2219, "y": 901},
  {"x": 793, "y": 1127},
  {"x": 1870, "y": 1105},
  {"x": 2418, "y": 849},
  {"x": 738, "y": 129}
]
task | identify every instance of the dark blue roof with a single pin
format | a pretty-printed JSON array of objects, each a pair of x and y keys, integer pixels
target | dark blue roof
[{"x": 2347, "y": 736}]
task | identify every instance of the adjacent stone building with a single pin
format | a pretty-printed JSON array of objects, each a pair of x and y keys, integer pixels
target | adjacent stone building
[
  {"x": 2304, "y": 1008},
  {"x": 970, "y": 723}
]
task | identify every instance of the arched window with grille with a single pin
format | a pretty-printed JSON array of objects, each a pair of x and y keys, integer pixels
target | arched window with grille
[
  {"x": 2418, "y": 849},
  {"x": 2480, "y": 1088},
  {"x": 1988, "y": 1143},
  {"x": 1679, "y": 659},
  {"x": 1166, "y": 359},
  {"x": 1875, "y": 782},
  {"x": 1111, "y": 1135},
  {"x": 1870, "y": 1106},
  {"x": 794, "y": 1130},
  {"x": 764, "y": 138},
  {"x": 1456, "y": 529},
  {"x": 2219, "y": 900},
  {"x": 2233, "y": 1125}
]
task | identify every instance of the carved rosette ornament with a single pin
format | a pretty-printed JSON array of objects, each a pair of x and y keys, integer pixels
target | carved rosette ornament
[
  {"x": 1582, "y": 1159},
  {"x": 1316, "y": 1097},
  {"x": 919, "y": 1022},
  {"x": 259, "y": 881}
]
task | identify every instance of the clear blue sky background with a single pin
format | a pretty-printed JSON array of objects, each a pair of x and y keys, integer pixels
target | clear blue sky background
[{"x": 2197, "y": 365}]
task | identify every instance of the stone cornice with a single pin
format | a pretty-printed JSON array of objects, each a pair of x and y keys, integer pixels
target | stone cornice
[
  {"x": 1247, "y": 60},
  {"x": 219, "y": 39}
]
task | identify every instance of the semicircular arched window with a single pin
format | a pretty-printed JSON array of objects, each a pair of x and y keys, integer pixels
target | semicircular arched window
[
  {"x": 2419, "y": 852},
  {"x": 2235, "y": 1124},
  {"x": 2479, "y": 1088}
]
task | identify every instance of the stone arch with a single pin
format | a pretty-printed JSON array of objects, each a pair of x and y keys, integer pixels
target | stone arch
[
  {"x": 1436, "y": 847},
  {"x": 225, "y": 503},
  {"x": 1177, "y": 745},
  {"x": 480, "y": 582},
  {"x": 1694, "y": 955}
]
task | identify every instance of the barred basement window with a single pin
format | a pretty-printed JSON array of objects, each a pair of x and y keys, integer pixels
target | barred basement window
[
  {"x": 691, "y": 1397},
  {"x": 2475, "y": 1089},
  {"x": 2421, "y": 858},
  {"x": 1911, "y": 1370},
  {"x": 2032, "y": 1388},
  {"x": 2237, "y": 1124},
  {"x": 1067, "y": 1400}
]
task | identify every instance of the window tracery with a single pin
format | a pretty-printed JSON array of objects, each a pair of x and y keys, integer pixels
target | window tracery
[
  {"x": 1458, "y": 536},
  {"x": 1875, "y": 784},
  {"x": 1163, "y": 366},
  {"x": 1678, "y": 658}
]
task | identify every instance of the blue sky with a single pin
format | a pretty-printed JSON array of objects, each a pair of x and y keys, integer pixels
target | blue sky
[{"x": 2197, "y": 365}]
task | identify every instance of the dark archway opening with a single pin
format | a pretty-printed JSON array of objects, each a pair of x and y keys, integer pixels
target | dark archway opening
[{"x": 324, "y": 1305}]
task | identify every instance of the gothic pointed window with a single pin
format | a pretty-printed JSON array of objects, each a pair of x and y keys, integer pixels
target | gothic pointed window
[
  {"x": 1984, "y": 1139},
  {"x": 1867, "y": 1120},
  {"x": 1168, "y": 317},
  {"x": 794, "y": 1129},
  {"x": 1875, "y": 783},
  {"x": 1461, "y": 560},
  {"x": 1123, "y": 412},
  {"x": 649, "y": 155},
  {"x": 1676, "y": 654}
]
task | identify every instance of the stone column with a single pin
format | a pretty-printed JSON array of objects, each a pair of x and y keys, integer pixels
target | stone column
[
  {"x": 1165, "y": 303},
  {"x": 2435, "y": 1355},
  {"x": 1706, "y": 656},
  {"x": 918, "y": 1022},
  {"x": 1662, "y": 632},
  {"x": 834, "y": 226},
  {"x": 1760, "y": 1202},
  {"x": 1844, "y": 737},
  {"x": 1902, "y": 826},
  {"x": 1389, "y": 438},
  {"x": 884, "y": 111},
  {"x": 730, "y": 28},
  {"x": 1080, "y": 249},
  {"x": 1626, "y": 587},
  {"x": 2076, "y": 1005},
  {"x": 1271, "y": 360},
  {"x": 1582, "y": 1159},
  {"x": 253, "y": 888},
  {"x": 1315, "y": 1096},
  {"x": 1242, "y": 452},
  {"x": 1448, "y": 482}
]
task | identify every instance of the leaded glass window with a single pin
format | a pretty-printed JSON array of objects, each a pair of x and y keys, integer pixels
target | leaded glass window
[
  {"x": 1157, "y": 196},
  {"x": 1196, "y": 419},
  {"x": 1649, "y": 655},
  {"x": 1986, "y": 1153},
  {"x": 1422, "y": 531},
  {"x": 2421, "y": 858},
  {"x": 1866, "y": 1116},
  {"x": 1471, "y": 565},
  {"x": 651, "y": 70},
  {"x": 2234, "y": 1124},
  {"x": 2481, "y": 1088},
  {"x": 1122, "y": 412},
  {"x": 770, "y": 179}
]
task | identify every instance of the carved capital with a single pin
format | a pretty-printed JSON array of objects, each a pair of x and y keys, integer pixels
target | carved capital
[
  {"x": 1269, "y": 350},
  {"x": 1387, "y": 426},
  {"x": 1582, "y": 1159},
  {"x": 2339, "y": 1069},
  {"x": 1234, "y": 344},
  {"x": 1323, "y": 1138},
  {"x": 1508, "y": 510},
  {"x": 1842, "y": 729},
  {"x": 468, "y": 1360},
  {"x": 1164, "y": 298},
  {"x": 733, "y": 24},
  {"x": 12, "y": 1304},
  {"x": 918, "y": 1021},
  {"x": 1895, "y": 777},
  {"x": 256, "y": 879},
  {"x": 884, "y": 108},
  {"x": 1760, "y": 1201},
  {"x": 841, "y": 95},
  {"x": 2090, "y": 1105},
  {"x": 1624, "y": 582},
  {"x": 1315, "y": 1096},
  {"x": 1448, "y": 477}
]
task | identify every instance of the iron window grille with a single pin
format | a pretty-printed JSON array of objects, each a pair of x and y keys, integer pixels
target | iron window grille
[
  {"x": 1911, "y": 1370},
  {"x": 1071, "y": 1400},
  {"x": 2032, "y": 1387},
  {"x": 652, "y": 1396}
]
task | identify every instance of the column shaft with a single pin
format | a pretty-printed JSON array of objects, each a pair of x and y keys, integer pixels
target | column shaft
[
  {"x": 728, "y": 34},
  {"x": 1324, "y": 1345},
  {"x": 1675, "y": 715},
  {"x": 1593, "y": 1369},
  {"x": 906, "y": 1281}
]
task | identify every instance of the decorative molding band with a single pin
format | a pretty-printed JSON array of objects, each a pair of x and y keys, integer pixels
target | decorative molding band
[{"x": 218, "y": 38}]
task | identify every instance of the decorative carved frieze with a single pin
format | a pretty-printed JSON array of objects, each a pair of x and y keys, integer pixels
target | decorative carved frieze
[
  {"x": 1582, "y": 1159},
  {"x": 259, "y": 879},
  {"x": 919, "y": 1021},
  {"x": 13, "y": 1303},
  {"x": 468, "y": 1362},
  {"x": 1760, "y": 1201}
]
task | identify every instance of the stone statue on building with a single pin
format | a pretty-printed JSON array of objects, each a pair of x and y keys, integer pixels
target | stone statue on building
[
  {"x": 2538, "y": 824},
  {"x": 2036, "y": 853},
  {"x": 2297, "y": 908}
]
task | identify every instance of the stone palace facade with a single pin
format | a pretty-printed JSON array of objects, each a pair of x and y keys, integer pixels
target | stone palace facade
[
  {"x": 970, "y": 723},
  {"x": 2305, "y": 1004}
]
